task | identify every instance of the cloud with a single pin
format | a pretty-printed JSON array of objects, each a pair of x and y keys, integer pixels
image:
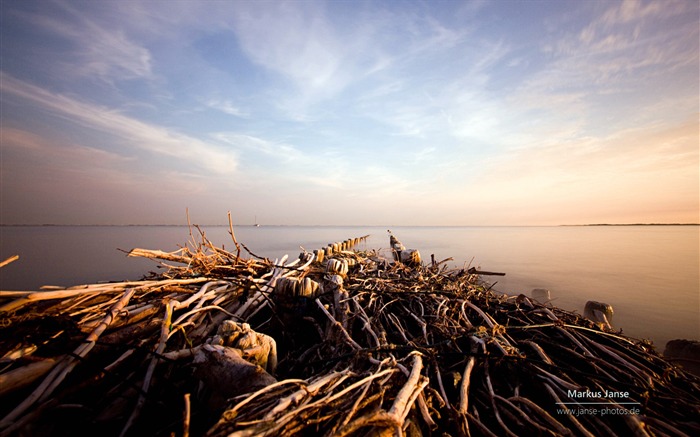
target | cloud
[
  {"x": 610, "y": 73},
  {"x": 321, "y": 55},
  {"x": 227, "y": 107},
  {"x": 281, "y": 151},
  {"x": 52, "y": 153},
  {"x": 635, "y": 10},
  {"x": 52, "y": 180},
  {"x": 146, "y": 137},
  {"x": 621, "y": 45},
  {"x": 98, "y": 48},
  {"x": 293, "y": 39},
  {"x": 644, "y": 166}
]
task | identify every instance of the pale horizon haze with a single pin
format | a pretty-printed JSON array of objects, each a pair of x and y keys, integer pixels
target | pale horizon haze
[{"x": 350, "y": 113}]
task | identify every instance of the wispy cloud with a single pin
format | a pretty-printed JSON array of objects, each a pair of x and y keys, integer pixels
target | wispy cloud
[
  {"x": 617, "y": 50},
  {"x": 322, "y": 56},
  {"x": 622, "y": 164},
  {"x": 48, "y": 179},
  {"x": 137, "y": 134},
  {"x": 293, "y": 39},
  {"x": 101, "y": 50},
  {"x": 51, "y": 153},
  {"x": 609, "y": 74},
  {"x": 281, "y": 151},
  {"x": 227, "y": 107}
]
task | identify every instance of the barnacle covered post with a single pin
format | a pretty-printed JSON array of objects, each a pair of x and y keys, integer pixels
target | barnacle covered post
[{"x": 409, "y": 257}]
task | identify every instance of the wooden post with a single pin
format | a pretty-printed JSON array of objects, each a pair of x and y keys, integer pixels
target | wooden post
[
  {"x": 686, "y": 353},
  {"x": 599, "y": 312},
  {"x": 541, "y": 295}
]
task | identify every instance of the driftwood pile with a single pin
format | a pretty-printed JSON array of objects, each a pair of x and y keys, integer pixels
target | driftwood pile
[{"x": 337, "y": 342}]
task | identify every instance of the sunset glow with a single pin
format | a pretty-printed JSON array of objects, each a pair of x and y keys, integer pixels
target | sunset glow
[{"x": 406, "y": 113}]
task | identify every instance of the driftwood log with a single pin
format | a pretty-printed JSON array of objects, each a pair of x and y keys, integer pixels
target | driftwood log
[{"x": 337, "y": 342}]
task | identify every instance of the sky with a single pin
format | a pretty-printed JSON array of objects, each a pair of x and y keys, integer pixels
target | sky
[{"x": 349, "y": 112}]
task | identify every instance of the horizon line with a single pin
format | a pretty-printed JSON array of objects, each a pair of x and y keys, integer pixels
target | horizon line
[{"x": 328, "y": 225}]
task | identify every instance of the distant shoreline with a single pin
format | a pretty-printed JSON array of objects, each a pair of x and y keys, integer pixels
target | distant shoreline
[
  {"x": 638, "y": 224},
  {"x": 322, "y": 226}
]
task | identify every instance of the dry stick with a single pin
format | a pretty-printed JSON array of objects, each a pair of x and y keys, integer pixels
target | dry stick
[
  {"x": 306, "y": 264},
  {"x": 91, "y": 340},
  {"x": 559, "y": 428},
  {"x": 395, "y": 321},
  {"x": 159, "y": 254},
  {"x": 202, "y": 295},
  {"x": 282, "y": 421},
  {"x": 307, "y": 390},
  {"x": 189, "y": 224},
  {"x": 263, "y": 301},
  {"x": 119, "y": 360},
  {"x": 59, "y": 372},
  {"x": 347, "y": 336},
  {"x": 9, "y": 260},
  {"x": 595, "y": 331},
  {"x": 80, "y": 300},
  {"x": 17, "y": 303},
  {"x": 97, "y": 311},
  {"x": 573, "y": 419},
  {"x": 25, "y": 375},
  {"x": 137, "y": 313},
  {"x": 401, "y": 406},
  {"x": 182, "y": 353},
  {"x": 422, "y": 405},
  {"x": 180, "y": 325},
  {"x": 483, "y": 315},
  {"x": 557, "y": 380},
  {"x": 586, "y": 352},
  {"x": 483, "y": 428},
  {"x": 164, "y": 331},
  {"x": 186, "y": 419},
  {"x": 464, "y": 314},
  {"x": 34, "y": 296},
  {"x": 464, "y": 387},
  {"x": 380, "y": 418},
  {"x": 539, "y": 351},
  {"x": 547, "y": 312},
  {"x": 442, "y": 387},
  {"x": 634, "y": 369},
  {"x": 524, "y": 417},
  {"x": 252, "y": 396},
  {"x": 349, "y": 415},
  {"x": 259, "y": 295},
  {"x": 404, "y": 399},
  {"x": 491, "y": 324},
  {"x": 493, "y": 403},
  {"x": 422, "y": 324},
  {"x": 424, "y": 411},
  {"x": 20, "y": 352},
  {"x": 367, "y": 326},
  {"x": 345, "y": 374}
]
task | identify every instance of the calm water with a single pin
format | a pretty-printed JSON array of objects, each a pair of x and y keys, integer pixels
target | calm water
[{"x": 649, "y": 274}]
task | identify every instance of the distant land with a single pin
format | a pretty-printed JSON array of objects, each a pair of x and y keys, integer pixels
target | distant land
[
  {"x": 638, "y": 224},
  {"x": 343, "y": 225}
]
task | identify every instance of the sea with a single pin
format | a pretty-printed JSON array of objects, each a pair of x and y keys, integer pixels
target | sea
[{"x": 649, "y": 274}]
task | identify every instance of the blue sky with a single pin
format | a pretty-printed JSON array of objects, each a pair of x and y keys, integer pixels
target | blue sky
[{"x": 385, "y": 112}]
